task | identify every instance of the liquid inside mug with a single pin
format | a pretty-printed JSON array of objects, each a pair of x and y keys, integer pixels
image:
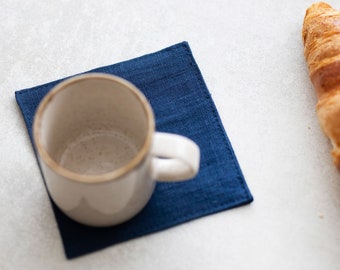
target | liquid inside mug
[{"x": 99, "y": 152}]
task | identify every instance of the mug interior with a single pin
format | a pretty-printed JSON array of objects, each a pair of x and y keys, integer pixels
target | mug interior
[{"x": 93, "y": 125}]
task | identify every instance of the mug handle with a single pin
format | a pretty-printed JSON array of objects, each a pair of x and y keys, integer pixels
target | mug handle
[{"x": 175, "y": 157}]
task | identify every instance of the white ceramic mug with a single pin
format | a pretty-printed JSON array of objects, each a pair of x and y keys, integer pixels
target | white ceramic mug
[{"x": 99, "y": 152}]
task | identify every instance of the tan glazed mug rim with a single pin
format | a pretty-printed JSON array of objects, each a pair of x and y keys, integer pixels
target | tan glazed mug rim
[{"x": 100, "y": 178}]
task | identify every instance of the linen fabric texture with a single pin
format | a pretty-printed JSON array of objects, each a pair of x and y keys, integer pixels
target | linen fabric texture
[{"x": 173, "y": 83}]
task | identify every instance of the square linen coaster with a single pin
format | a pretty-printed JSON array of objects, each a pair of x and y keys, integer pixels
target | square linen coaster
[{"x": 182, "y": 104}]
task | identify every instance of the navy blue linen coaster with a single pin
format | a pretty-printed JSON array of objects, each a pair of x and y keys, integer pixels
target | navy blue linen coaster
[{"x": 172, "y": 82}]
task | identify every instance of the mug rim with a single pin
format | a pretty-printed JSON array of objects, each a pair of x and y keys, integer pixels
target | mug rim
[{"x": 99, "y": 178}]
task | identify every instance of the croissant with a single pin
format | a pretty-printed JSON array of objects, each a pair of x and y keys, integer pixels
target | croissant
[{"x": 321, "y": 38}]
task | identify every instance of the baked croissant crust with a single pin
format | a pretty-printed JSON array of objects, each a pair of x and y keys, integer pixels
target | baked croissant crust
[{"x": 321, "y": 37}]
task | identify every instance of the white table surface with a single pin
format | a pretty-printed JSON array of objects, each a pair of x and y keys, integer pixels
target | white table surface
[{"x": 251, "y": 56}]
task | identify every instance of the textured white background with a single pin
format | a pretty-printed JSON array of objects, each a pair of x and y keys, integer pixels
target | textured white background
[{"x": 251, "y": 56}]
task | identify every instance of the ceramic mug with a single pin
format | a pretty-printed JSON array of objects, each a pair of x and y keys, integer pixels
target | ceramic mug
[{"x": 98, "y": 150}]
